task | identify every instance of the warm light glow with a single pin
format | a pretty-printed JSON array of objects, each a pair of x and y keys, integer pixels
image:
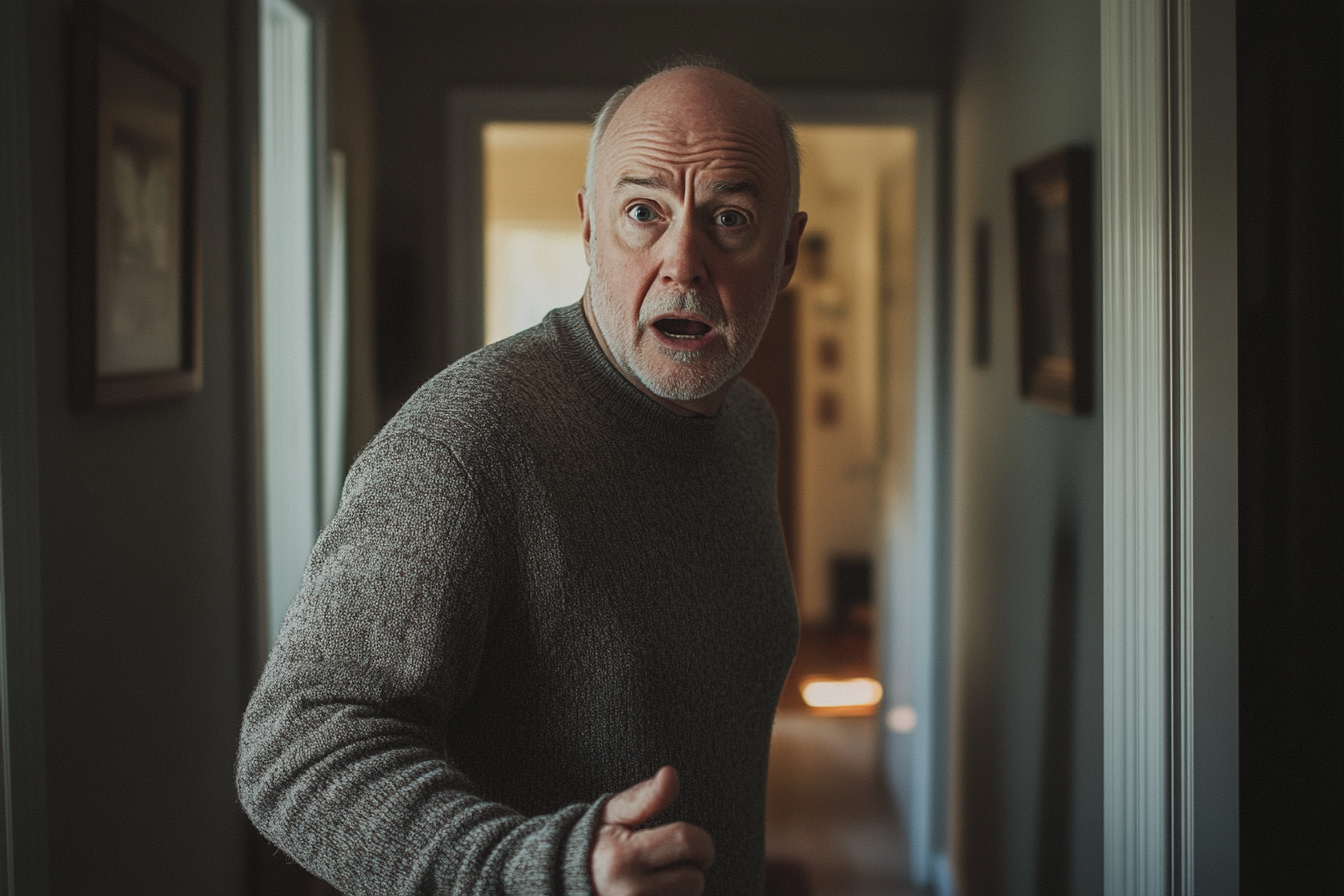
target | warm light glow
[
  {"x": 902, "y": 719},
  {"x": 831, "y": 693}
]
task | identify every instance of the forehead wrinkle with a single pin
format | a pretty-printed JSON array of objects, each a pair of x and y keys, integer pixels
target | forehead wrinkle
[
  {"x": 721, "y": 143},
  {"x": 718, "y": 187},
  {"x": 732, "y": 150},
  {"x": 658, "y": 140},
  {"x": 715, "y": 148},
  {"x": 632, "y": 163}
]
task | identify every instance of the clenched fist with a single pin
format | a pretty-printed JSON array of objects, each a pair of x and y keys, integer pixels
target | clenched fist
[{"x": 664, "y": 861}]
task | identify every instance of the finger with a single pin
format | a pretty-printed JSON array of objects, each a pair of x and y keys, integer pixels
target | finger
[
  {"x": 678, "y": 843},
  {"x": 639, "y": 803}
]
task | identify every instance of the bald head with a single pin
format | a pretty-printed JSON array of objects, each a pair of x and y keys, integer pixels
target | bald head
[
  {"x": 690, "y": 228},
  {"x": 700, "y": 84}
]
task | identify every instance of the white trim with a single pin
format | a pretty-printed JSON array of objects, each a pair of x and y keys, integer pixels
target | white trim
[
  {"x": 1170, "y": 427},
  {"x": 290, "y": 293},
  {"x": 333, "y": 323}
]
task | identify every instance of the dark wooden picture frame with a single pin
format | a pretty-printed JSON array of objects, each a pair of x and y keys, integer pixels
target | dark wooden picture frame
[
  {"x": 135, "y": 240},
  {"x": 1053, "y": 200}
]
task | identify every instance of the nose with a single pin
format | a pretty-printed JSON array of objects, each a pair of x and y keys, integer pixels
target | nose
[{"x": 683, "y": 256}]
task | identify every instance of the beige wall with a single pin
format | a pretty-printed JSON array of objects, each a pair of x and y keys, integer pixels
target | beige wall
[
  {"x": 851, "y": 178},
  {"x": 534, "y": 258},
  {"x": 1026, "y": 721}
]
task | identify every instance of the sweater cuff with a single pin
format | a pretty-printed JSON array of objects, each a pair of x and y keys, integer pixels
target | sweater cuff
[{"x": 578, "y": 859}]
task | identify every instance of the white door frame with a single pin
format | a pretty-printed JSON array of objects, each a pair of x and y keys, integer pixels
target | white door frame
[
  {"x": 292, "y": 221},
  {"x": 1169, "y": 374}
]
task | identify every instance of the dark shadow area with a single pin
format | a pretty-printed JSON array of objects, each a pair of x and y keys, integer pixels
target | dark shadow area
[
  {"x": 276, "y": 874},
  {"x": 774, "y": 370},
  {"x": 786, "y": 878},
  {"x": 1054, "y": 822},
  {"x": 1290, "y": 185},
  {"x": 397, "y": 321},
  {"x": 981, "y": 344},
  {"x": 982, "y": 823}
]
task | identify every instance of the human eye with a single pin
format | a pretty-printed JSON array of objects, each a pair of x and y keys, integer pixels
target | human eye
[
  {"x": 730, "y": 218},
  {"x": 642, "y": 212}
]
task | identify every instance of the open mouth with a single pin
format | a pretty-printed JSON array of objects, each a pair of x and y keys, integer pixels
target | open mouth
[{"x": 682, "y": 328}]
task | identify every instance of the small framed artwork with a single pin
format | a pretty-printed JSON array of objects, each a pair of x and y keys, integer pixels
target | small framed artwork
[
  {"x": 135, "y": 244},
  {"x": 1053, "y": 199}
]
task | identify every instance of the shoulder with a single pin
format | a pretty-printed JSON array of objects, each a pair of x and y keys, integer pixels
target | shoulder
[
  {"x": 750, "y": 410},
  {"x": 483, "y": 396},
  {"x": 748, "y": 422}
]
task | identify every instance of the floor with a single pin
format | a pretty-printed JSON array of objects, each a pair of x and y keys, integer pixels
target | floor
[{"x": 829, "y": 818}]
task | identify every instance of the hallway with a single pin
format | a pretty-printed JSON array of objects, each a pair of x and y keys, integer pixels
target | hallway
[{"x": 828, "y": 809}]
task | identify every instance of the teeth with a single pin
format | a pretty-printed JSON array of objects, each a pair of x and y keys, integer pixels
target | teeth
[{"x": 677, "y": 328}]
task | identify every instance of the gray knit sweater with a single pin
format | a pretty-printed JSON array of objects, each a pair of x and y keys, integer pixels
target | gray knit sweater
[{"x": 540, "y": 586}]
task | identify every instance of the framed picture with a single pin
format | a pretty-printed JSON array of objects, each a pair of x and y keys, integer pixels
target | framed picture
[
  {"x": 1053, "y": 199},
  {"x": 135, "y": 244}
]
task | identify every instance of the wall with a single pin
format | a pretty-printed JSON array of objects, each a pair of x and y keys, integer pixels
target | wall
[
  {"x": 24, "y": 784},
  {"x": 1026, "y": 677},
  {"x": 421, "y": 50},
  {"x": 351, "y": 122},
  {"x": 139, "y": 533}
]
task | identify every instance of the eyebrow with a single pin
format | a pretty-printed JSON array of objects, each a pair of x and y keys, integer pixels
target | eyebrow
[
  {"x": 658, "y": 183},
  {"x": 737, "y": 186}
]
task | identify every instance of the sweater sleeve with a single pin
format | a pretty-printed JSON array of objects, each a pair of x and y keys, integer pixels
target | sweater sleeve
[{"x": 341, "y": 761}]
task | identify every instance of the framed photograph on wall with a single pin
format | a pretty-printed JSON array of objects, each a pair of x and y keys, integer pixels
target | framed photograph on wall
[
  {"x": 135, "y": 242},
  {"x": 1053, "y": 203}
]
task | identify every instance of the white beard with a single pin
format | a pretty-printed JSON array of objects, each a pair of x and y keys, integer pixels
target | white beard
[{"x": 696, "y": 373}]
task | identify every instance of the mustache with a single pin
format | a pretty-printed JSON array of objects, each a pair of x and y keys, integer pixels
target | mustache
[{"x": 691, "y": 300}]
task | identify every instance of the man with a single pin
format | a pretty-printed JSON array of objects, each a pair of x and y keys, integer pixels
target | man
[{"x": 558, "y": 573}]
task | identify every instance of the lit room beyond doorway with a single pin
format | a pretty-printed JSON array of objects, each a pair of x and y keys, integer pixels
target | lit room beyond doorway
[{"x": 838, "y": 364}]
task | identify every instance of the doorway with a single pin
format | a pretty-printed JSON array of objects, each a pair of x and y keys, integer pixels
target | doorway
[
  {"x": 851, "y": 363},
  {"x": 843, "y": 403},
  {"x": 533, "y": 242}
]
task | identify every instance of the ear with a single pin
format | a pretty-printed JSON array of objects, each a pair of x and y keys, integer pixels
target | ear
[
  {"x": 587, "y": 229},
  {"x": 791, "y": 242}
]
